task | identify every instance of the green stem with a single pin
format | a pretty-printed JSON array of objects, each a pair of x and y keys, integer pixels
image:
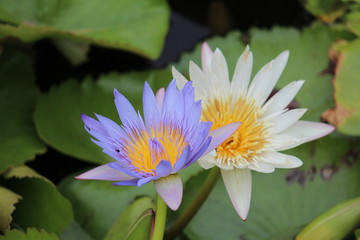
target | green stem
[
  {"x": 195, "y": 205},
  {"x": 160, "y": 219}
]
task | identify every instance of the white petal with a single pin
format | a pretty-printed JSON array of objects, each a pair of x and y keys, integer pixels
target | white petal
[
  {"x": 201, "y": 83},
  {"x": 238, "y": 186},
  {"x": 282, "y": 98},
  {"x": 206, "y": 56},
  {"x": 220, "y": 69},
  {"x": 302, "y": 132},
  {"x": 242, "y": 74},
  {"x": 265, "y": 80},
  {"x": 180, "y": 79},
  {"x": 104, "y": 172},
  {"x": 281, "y": 160},
  {"x": 170, "y": 189},
  {"x": 261, "y": 167},
  {"x": 287, "y": 119},
  {"x": 208, "y": 161},
  {"x": 277, "y": 69},
  {"x": 258, "y": 85}
]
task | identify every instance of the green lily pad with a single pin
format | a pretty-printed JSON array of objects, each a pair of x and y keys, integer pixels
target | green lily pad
[
  {"x": 346, "y": 114},
  {"x": 308, "y": 61},
  {"x": 7, "y": 201},
  {"x": 353, "y": 22},
  {"x": 42, "y": 206},
  {"x": 31, "y": 234},
  {"x": 139, "y": 27},
  {"x": 326, "y": 10},
  {"x": 57, "y": 115},
  {"x": 18, "y": 96},
  {"x": 135, "y": 222}
]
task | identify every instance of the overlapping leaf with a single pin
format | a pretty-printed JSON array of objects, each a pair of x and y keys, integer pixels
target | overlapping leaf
[
  {"x": 7, "y": 201},
  {"x": 42, "y": 206},
  {"x": 18, "y": 96},
  {"x": 346, "y": 114},
  {"x": 139, "y": 26},
  {"x": 31, "y": 234}
]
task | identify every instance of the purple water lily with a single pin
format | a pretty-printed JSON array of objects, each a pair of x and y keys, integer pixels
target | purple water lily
[{"x": 170, "y": 138}]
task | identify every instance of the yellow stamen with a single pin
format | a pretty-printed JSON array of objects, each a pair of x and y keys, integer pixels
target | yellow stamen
[
  {"x": 168, "y": 144},
  {"x": 250, "y": 138}
]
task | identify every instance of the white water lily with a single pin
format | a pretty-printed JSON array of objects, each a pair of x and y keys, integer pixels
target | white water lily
[{"x": 268, "y": 126}]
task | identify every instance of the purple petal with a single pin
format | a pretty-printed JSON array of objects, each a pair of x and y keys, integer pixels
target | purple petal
[
  {"x": 219, "y": 135},
  {"x": 123, "y": 169},
  {"x": 93, "y": 124},
  {"x": 200, "y": 134},
  {"x": 150, "y": 107},
  {"x": 182, "y": 160},
  {"x": 200, "y": 152},
  {"x": 104, "y": 172},
  {"x": 112, "y": 128},
  {"x": 145, "y": 180},
  {"x": 170, "y": 189},
  {"x": 163, "y": 169},
  {"x": 125, "y": 109},
  {"x": 132, "y": 182},
  {"x": 169, "y": 103}
]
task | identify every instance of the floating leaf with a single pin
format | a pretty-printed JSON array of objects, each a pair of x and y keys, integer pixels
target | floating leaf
[
  {"x": 353, "y": 22},
  {"x": 346, "y": 114},
  {"x": 135, "y": 222},
  {"x": 7, "y": 201},
  {"x": 326, "y": 10},
  {"x": 75, "y": 52},
  {"x": 31, "y": 234},
  {"x": 139, "y": 27},
  {"x": 334, "y": 224},
  {"x": 42, "y": 206},
  {"x": 57, "y": 116},
  {"x": 308, "y": 61},
  {"x": 18, "y": 96}
]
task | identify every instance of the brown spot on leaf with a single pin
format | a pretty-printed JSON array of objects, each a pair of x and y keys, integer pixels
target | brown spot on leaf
[
  {"x": 327, "y": 172},
  {"x": 336, "y": 115},
  {"x": 301, "y": 176},
  {"x": 350, "y": 157}
]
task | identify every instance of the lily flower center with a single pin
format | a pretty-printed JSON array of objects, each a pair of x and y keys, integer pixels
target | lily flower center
[
  {"x": 250, "y": 138},
  {"x": 145, "y": 151}
]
